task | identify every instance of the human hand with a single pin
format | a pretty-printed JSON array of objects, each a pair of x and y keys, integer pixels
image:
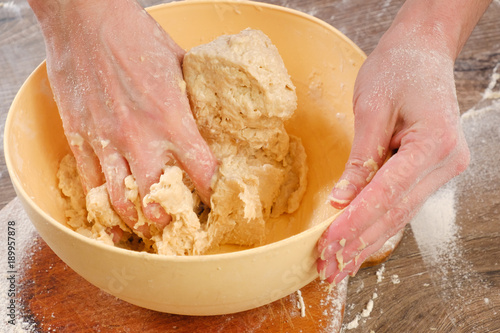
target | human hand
[
  {"x": 404, "y": 99},
  {"x": 117, "y": 80}
]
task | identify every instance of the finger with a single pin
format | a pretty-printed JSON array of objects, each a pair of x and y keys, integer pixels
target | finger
[
  {"x": 184, "y": 141},
  {"x": 87, "y": 163},
  {"x": 116, "y": 233},
  {"x": 201, "y": 165},
  {"x": 368, "y": 153},
  {"x": 116, "y": 169},
  {"x": 178, "y": 51},
  {"x": 147, "y": 174},
  {"x": 194, "y": 154},
  {"x": 353, "y": 263},
  {"x": 329, "y": 271}
]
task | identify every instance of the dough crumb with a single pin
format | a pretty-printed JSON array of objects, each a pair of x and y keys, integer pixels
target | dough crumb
[{"x": 372, "y": 166}]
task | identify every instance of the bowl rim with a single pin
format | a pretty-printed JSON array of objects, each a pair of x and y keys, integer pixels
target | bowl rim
[{"x": 153, "y": 256}]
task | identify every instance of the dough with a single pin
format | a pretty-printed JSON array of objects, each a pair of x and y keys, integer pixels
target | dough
[{"x": 241, "y": 95}]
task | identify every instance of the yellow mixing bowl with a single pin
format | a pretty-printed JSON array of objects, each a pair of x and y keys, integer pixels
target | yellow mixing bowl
[{"x": 323, "y": 65}]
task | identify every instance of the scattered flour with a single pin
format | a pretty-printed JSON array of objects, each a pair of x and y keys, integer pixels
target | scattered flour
[
  {"x": 490, "y": 93},
  {"x": 368, "y": 310},
  {"x": 361, "y": 317},
  {"x": 333, "y": 304},
  {"x": 354, "y": 323},
  {"x": 395, "y": 279},
  {"x": 380, "y": 273},
  {"x": 434, "y": 227},
  {"x": 363, "y": 314},
  {"x": 300, "y": 304}
]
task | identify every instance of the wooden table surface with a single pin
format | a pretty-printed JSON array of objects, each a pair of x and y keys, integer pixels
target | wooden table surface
[{"x": 445, "y": 275}]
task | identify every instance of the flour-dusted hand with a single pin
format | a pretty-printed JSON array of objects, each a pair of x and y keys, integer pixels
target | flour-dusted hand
[
  {"x": 404, "y": 99},
  {"x": 117, "y": 80}
]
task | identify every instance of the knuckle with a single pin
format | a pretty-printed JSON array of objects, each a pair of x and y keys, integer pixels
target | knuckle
[
  {"x": 359, "y": 170},
  {"x": 463, "y": 160},
  {"x": 447, "y": 144},
  {"x": 436, "y": 145},
  {"x": 122, "y": 206},
  {"x": 452, "y": 148},
  {"x": 154, "y": 212},
  {"x": 366, "y": 105},
  {"x": 424, "y": 150},
  {"x": 397, "y": 217},
  {"x": 393, "y": 184},
  {"x": 361, "y": 105},
  {"x": 386, "y": 197}
]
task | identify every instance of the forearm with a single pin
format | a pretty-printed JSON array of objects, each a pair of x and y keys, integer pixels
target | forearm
[
  {"x": 53, "y": 12},
  {"x": 445, "y": 24},
  {"x": 64, "y": 18},
  {"x": 70, "y": 25}
]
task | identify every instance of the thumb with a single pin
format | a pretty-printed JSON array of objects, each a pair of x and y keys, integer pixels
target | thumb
[
  {"x": 200, "y": 164},
  {"x": 369, "y": 150}
]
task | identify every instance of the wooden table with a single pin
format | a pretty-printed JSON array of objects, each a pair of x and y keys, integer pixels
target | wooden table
[{"x": 444, "y": 277}]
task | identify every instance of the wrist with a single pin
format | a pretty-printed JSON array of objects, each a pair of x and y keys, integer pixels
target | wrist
[
  {"x": 440, "y": 25},
  {"x": 51, "y": 11},
  {"x": 57, "y": 17},
  {"x": 64, "y": 20}
]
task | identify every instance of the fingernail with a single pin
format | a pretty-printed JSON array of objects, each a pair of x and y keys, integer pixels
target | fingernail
[
  {"x": 340, "y": 259},
  {"x": 356, "y": 258},
  {"x": 322, "y": 274},
  {"x": 322, "y": 255},
  {"x": 362, "y": 244},
  {"x": 354, "y": 272},
  {"x": 343, "y": 193},
  {"x": 329, "y": 250},
  {"x": 331, "y": 286},
  {"x": 340, "y": 277}
]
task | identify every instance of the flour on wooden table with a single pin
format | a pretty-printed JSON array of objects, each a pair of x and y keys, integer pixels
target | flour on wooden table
[
  {"x": 333, "y": 304},
  {"x": 25, "y": 234},
  {"x": 362, "y": 317}
]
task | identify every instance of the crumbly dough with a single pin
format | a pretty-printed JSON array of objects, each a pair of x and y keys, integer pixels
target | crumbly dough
[{"x": 240, "y": 94}]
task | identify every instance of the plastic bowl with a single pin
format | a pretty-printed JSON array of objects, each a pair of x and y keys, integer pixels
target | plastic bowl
[{"x": 323, "y": 65}]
